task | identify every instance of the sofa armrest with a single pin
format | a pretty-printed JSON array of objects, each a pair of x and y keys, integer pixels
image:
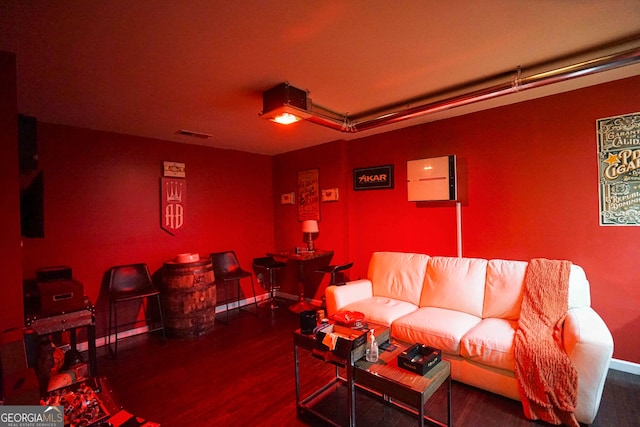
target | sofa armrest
[
  {"x": 589, "y": 344},
  {"x": 340, "y": 296}
]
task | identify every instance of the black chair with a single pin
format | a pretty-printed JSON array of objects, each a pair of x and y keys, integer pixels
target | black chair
[
  {"x": 266, "y": 269},
  {"x": 226, "y": 269},
  {"x": 131, "y": 283},
  {"x": 333, "y": 270}
]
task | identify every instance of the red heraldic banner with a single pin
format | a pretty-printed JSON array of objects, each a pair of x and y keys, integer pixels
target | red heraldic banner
[{"x": 173, "y": 193}]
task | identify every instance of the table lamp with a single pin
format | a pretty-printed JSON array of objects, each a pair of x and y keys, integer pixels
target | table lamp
[{"x": 310, "y": 233}]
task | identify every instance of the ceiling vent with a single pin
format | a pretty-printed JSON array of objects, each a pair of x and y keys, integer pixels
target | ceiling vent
[{"x": 192, "y": 134}]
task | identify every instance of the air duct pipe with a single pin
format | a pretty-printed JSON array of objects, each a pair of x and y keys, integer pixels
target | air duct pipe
[{"x": 388, "y": 115}]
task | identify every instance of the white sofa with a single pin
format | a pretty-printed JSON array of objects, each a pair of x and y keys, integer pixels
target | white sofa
[{"x": 469, "y": 308}]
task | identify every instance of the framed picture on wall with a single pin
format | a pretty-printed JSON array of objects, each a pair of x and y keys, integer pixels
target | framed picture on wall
[
  {"x": 619, "y": 169},
  {"x": 308, "y": 195}
]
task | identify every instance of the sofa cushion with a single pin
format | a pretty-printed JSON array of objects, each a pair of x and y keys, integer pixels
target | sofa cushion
[
  {"x": 503, "y": 289},
  {"x": 398, "y": 275},
  {"x": 436, "y": 327},
  {"x": 455, "y": 284},
  {"x": 381, "y": 310},
  {"x": 490, "y": 342}
]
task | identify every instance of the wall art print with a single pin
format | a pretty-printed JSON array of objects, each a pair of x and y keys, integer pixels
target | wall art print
[
  {"x": 619, "y": 169},
  {"x": 308, "y": 195}
]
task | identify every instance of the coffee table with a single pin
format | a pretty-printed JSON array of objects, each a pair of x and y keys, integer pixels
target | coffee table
[
  {"x": 383, "y": 378},
  {"x": 401, "y": 387}
]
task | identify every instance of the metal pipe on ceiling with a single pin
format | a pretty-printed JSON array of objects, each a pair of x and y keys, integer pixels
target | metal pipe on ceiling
[
  {"x": 325, "y": 117},
  {"x": 518, "y": 83}
]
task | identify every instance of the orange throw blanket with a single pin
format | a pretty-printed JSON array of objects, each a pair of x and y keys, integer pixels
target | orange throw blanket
[{"x": 547, "y": 380}]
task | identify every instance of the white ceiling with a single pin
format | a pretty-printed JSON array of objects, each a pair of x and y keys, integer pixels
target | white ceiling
[{"x": 152, "y": 67}]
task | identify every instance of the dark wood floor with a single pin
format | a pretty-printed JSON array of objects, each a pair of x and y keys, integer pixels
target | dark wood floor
[{"x": 243, "y": 374}]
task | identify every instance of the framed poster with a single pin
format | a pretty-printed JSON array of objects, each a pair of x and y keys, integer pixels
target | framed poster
[
  {"x": 373, "y": 178},
  {"x": 619, "y": 169},
  {"x": 308, "y": 195}
]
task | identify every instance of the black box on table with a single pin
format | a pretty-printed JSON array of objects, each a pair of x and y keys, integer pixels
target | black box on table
[
  {"x": 60, "y": 296},
  {"x": 419, "y": 358}
]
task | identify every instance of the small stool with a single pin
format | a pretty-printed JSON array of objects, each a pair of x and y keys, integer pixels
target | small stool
[
  {"x": 265, "y": 269},
  {"x": 333, "y": 270}
]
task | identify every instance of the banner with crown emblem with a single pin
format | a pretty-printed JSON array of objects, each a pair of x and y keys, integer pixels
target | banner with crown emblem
[{"x": 173, "y": 196}]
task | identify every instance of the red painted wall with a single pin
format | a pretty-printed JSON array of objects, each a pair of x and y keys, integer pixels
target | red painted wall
[
  {"x": 102, "y": 204},
  {"x": 529, "y": 179},
  {"x": 10, "y": 259}
]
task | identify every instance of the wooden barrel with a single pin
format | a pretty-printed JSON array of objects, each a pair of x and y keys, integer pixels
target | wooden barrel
[{"x": 188, "y": 295}]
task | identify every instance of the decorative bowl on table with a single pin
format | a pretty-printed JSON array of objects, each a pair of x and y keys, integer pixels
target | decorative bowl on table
[{"x": 348, "y": 319}]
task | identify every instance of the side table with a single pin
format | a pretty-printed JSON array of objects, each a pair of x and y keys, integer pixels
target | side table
[
  {"x": 308, "y": 342},
  {"x": 71, "y": 321},
  {"x": 395, "y": 384}
]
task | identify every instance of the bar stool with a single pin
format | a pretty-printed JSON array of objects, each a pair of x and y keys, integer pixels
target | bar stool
[
  {"x": 333, "y": 270},
  {"x": 266, "y": 269}
]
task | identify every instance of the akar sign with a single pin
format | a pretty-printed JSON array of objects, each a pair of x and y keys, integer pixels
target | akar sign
[{"x": 372, "y": 178}]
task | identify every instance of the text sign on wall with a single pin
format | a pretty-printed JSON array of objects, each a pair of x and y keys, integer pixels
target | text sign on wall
[
  {"x": 376, "y": 177},
  {"x": 173, "y": 194},
  {"x": 174, "y": 169},
  {"x": 619, "y": 169}
]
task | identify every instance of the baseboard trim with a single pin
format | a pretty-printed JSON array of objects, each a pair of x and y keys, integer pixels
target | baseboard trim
[
  {"x": 102, "y": 341},
  {"x": 624, "y": 366}
]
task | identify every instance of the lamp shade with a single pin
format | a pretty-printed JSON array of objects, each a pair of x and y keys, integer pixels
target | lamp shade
[{"x": 310, "y": 226}]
